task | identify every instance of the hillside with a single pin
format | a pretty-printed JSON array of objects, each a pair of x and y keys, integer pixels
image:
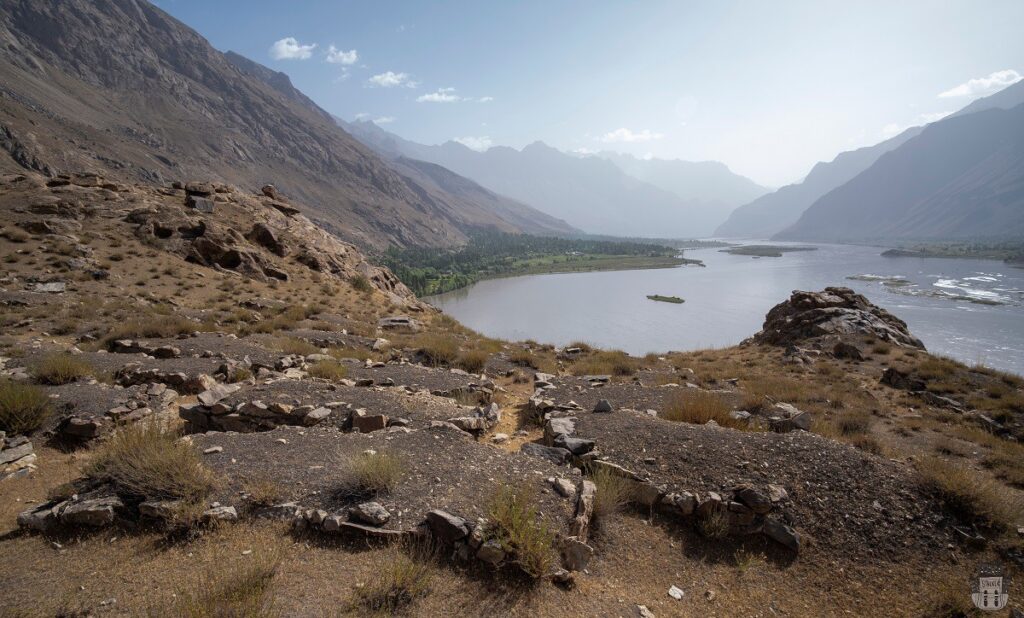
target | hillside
[
  {"x": 774, "y": 212},
  {"x": 961, "y": 178},
  {"x": 589, "y": 193},
  {"x": 120, "y": 87}
]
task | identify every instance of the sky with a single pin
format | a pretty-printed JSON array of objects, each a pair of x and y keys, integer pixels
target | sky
[{"x": 768, "y": 88}]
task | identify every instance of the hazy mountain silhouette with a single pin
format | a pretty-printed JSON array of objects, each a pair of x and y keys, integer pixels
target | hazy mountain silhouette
[{"x": 961, "y": 178}]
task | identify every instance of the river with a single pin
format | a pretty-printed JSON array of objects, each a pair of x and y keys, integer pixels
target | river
[{"x": 945, "y": 302}]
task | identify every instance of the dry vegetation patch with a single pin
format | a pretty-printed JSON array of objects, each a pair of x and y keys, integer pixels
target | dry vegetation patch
[
  {"x": 375, "y": 472},
  {"x": 61, "y": 368},
  {"x": 328, "y": 370},
  {"x": 244, "y": 589},
  {"x": 972, "y": 496},
  {"x": 517, "y": 524},
  {"x": 24, "y": 408},
  {"x": 401, "y": 578},
  {"x": 699, "y": 407}
]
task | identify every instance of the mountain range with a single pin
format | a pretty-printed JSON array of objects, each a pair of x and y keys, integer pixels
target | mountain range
[
  {"x": 120, "y": 87},
  {"x": 593, "y": 193}
]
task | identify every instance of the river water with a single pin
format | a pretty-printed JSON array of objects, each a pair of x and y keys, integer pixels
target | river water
[{"x": 971, "y": 310}]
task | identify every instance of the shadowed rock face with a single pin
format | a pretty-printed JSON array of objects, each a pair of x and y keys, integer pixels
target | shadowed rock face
[{"x": 833, "y": 312}]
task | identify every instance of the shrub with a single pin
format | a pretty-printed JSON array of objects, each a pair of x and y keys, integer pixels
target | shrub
[
  {"x": 239, "y": 374},
  {"x": 971, "y": 496},
  {"x": 472, "y": 361},
  {"x": 606, "y": 362},
  {"x": 714, "y": 525},
  {"x": 699, "y": 407},
  {"x": 244, "y": 589},
  {"x": 263, "y": 491},
  {"x": 291, "y": 345},
  {"x": 400, "y": 580},
  {"x": 147, "y": 460},
  {"x": 517, "y": 524},
  {"x": 360, "y": 283},
  {"x": 437, "y": 349},
  {"x": 375, "y": 472},
  {"x": 613, "y": 492},
  {"x": 61, "y": 368},
  {"x": 328, "y": 370},
  {"x": 23, "y": 407}
]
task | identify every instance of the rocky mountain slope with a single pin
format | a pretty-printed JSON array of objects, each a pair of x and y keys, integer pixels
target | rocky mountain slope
[
  {"x": 589, "y": 193},
  {"x": 961, "y": 178},
  {"x": 120, "y": 87}
]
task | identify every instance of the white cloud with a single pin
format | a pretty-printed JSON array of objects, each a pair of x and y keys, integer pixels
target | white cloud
[
  {"x": 443, "y": 95},
  {"x": 626, "y": 135},
  {"x": 983, "y": 86},
  {"x": 338, "y": 56},
  {"x": 485, "y": 99},
  {"x": 384, "y": 119},
  {"x": 474, "y": 143},
  {"x": 290, "y": 49},
  {"x": 933, "y": 116},
  {"x": 891, "y": 130},
  {"x": 362, "y": 115},
  {"x": 390, "y": 79}
]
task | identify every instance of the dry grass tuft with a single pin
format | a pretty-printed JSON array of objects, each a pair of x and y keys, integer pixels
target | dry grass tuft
[
  {"x": 517, "y": 524},
  {"x": 61, "y": 368},
  {"x": 245, "y": 589},
  {"x": 606, "y": 362},
  {"x": 263, "y": 492},
  {"x": 714, "y": 525},
  {"x": 613, "y": 492},
  {"x": 375, "y": 472},
  {"x": 437, "y": 349},
  {"x": 401, "y": 579},
  {"x": 472, "y": 361},
  {"x": 699, "y": 407},
  {"x": 328, "y": 370},
  {"x": 291, "y": 345},
  {"x": 24, "y": 408},
  {"x": 147, "y": 460},
  {"x": 157, "y": 325},
  {"x": 973, "y": 497}
]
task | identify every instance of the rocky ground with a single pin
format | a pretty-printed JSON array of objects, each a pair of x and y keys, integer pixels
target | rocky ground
[{"x": 325, "y": 426}]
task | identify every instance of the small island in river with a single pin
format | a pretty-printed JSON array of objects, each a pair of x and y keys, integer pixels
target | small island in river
[{"x": 666, "y": 299}]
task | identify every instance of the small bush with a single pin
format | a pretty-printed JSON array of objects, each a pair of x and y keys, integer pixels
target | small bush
[
  {"x": 613, "y": 492},
  {"x": 971, "y": 496},
  {"x": 291, "y": 345},
  {"x": 699, "y": 407},
  {"x": 517, "y": 524},
  {"x": 61, "y": 368},
  {"x": 263, "y": 492},
  {"x": 375, "y": 472},
  {"x": 472, "y": 361},
  {"x": 24, "y": 408},
  {"x": 714, "y": 525},
  {"x": 328, "y": 370},
  {"x": 239, "y": 374},
  {"x": 400, "y": 580},
  {"x": 146, "y": 460},
  {"x": 360, "y": 283},
  {"x": 606, "y": 362},
  {"x": 437, "y": 350},
  {"x": 243, "y": 590}
]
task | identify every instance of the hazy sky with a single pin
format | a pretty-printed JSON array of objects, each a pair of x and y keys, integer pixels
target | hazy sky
[{"x": 769, "y": 88}]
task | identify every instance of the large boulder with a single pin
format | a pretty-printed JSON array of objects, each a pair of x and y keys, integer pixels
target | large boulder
[{"x": 833, "y": 312}]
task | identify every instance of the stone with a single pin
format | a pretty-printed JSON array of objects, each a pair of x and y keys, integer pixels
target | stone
[
  {"x": 676, "y": 593},
  {"x": 647, "y": 494},
  {"x": 41, "y": 518},
  {"x": 499, "y": 438},
  {"x": 575, "y": 553},
  {"x": 580, "y": 524},
  {"x": 576, "y": 446},
  {"x": 95, "y": 513},
  {"x": 398, "y": 322},
  {"x": 491, "y": 553},
  {"x": 782, "y": 534},
  {"x": 847, "y": 351},
  {"x": 262, "y": 235},
  {"x": 471, "y": 424},
  {"x": 220, "y": 513},
  {"x": 756, "y": 500},
  {"x": 10, "y": 455},
  {"x": 777, "y": 493},
  {"x": 900, "y": 380},
  {"x": 643, "y": 612},
  {"x": 615, "y": 469},
  {"x": 166, "y": 351},
  {"x": 559, "y": 426},
  {"x": 447, "y": 527},
  {"x": 684, "y": 502},
  {"x": 709, "y": 505},
  {"x": 285, "y": 510},
  {"x": 77, "y": 427},
  {"x": 315, "y": 416},
  {"x": 553, "y": 454},
  {"x": 216, "y": 393},
  {"x": 603, "y": 406},
  {"x": 564, "y": 487},
  {"x": 366, "y": 424},
  {"x": 372, "y": 513},
  {"x": 164, "y": 510},
  {"x": 54, "y": 287},
  {"x": 213, "y": 449},
  {"x": 201, "y": 204}
]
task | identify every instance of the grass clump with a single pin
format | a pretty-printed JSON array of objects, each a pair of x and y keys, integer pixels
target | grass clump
[
  {"x": 263, "y": 492},
  {"x": 146, "y": 460},
  {"x": 291, "y": 345},
  {"x": 401, "y": 579},
  {"x": 244, "y": 590},
  {"x": 374, "y": 472},
  {"x": 61, "y": 368},
  {"x": 158, "y": 325},
  {"x": 437, "y": 350},
  {"x": 24, "y": 408},
  {"x": 360, "y": 283},
  {"x": 606, "y": 362},
  {"x": 971, "y": 496},
  {"x": 472, "y": 361},
  {"x": 328, "y": 370},
  {"x": 613, "y": 492},
  {"x": 517, "y": 524},
  {"x": 714, "y": 525},
  {"x": 699, "y": 407}
]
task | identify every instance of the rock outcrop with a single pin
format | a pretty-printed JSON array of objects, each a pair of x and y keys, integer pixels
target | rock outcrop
[{"x": 833, "y": 312}]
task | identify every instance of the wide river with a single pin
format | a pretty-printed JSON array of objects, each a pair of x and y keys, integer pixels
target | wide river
[{"x": 940, "y": 299}]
